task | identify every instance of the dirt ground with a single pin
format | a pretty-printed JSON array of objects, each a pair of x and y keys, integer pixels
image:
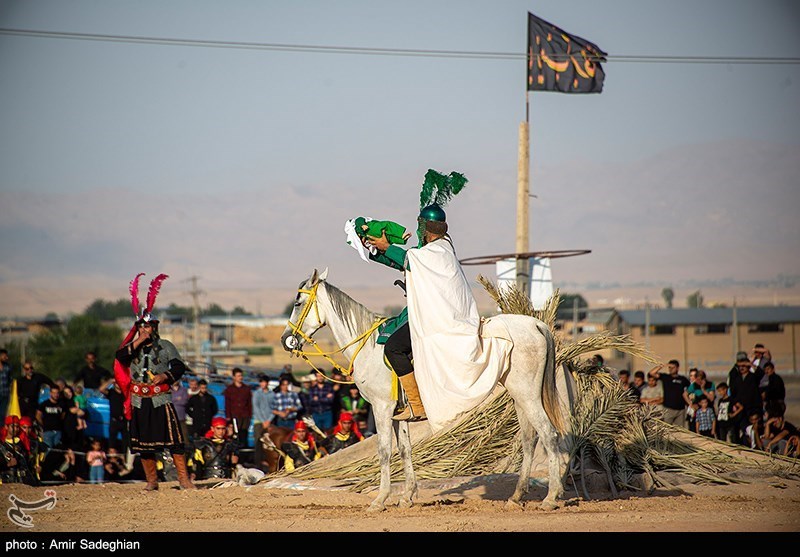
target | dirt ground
[{"x": 763, "y": 502}]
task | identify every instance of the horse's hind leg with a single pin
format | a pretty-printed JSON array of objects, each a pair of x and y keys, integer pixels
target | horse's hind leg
[
  {"x": 528, "y": 438},
  {"x": 555, "y": 485},
  {"x": 404, "y": 447}
]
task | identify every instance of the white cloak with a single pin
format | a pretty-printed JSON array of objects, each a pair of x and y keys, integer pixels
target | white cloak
[{"x": 455, "y": 366}]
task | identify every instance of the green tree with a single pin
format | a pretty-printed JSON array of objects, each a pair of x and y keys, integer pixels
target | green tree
[
  {"x": 695, "y": 300},
  {"x": 60, "y": 352},
  {"x": 668, "y": 294},
  {"x": 14, "y": 348},
  {"x": 109, "y": 311},
  {"x": 287, "y": 311},
  {"x": 179, "y": 311},
  {"x": 213, "y": 309},
  {"x": 565, "y": 307}
]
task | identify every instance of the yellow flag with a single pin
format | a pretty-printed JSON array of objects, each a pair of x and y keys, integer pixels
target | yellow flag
[{"x": 13, "y": 402}]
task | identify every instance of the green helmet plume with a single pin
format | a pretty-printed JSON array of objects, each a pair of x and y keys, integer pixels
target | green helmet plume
[{"x": 439, "y": 189}]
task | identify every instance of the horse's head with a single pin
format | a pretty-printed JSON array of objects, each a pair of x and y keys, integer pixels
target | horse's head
[{"x": 307, "y": 318}]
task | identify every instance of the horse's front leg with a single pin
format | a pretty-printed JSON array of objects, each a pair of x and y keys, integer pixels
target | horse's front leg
[
  {"x": 384, "y": 430},
  {"x": 404, "y": 448}
]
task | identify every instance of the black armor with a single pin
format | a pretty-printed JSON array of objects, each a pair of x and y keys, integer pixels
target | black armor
[{"x": 213, "y": 458}]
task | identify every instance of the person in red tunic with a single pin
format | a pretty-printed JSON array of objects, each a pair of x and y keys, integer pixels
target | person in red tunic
[{"x": 145, "y": 368}]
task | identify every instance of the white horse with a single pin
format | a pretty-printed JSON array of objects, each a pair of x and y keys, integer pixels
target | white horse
[{"x": 530, "y": 380}]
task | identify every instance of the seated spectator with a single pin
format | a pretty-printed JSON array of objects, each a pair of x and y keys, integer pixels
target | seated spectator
[
  {"x": 777, "y": 432},
  {"x": 705, "y": 422},
  {"x": 216, "y": 454},
  {"x": 35, "y": 453},
  {"x": 14, "y": 452},
  {"x": 300, "y": 449},
  {"x": 60, "y": 467},
  {"x": 345, "y": 433},
  {"x": 115, "y": 467},
  {"x": 754, "y": 432}
]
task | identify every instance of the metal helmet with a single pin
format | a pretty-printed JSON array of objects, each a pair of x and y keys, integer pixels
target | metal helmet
[{"x": 433, "y": 212}]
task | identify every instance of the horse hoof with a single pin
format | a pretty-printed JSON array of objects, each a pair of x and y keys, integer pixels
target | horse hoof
[
  {"x": 376, "y": 508},
  {"x": 405, "y": 504},
  {"x": 511, "y": 504},
  {"x": 549, "y": 505}
]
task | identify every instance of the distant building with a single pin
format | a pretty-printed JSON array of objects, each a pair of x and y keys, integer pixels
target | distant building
[{"x": 708, "y": 338}]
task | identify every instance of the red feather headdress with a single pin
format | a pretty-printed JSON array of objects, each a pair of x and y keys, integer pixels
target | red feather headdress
[{"x": 122, "y": 373}]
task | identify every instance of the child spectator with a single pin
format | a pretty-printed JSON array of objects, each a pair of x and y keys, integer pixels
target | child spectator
[
  {"x": 96, "y": 459},
  {"x": 705, "y": 422},
  {"x": 726, "y": 428},
  {"x": 80, "y": 402}
]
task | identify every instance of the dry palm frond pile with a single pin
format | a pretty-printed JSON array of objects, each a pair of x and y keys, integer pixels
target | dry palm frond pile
[{"x": 610, "y": 430}]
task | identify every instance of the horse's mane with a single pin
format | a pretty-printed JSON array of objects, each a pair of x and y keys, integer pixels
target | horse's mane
[{"x": 355, "y": 316}]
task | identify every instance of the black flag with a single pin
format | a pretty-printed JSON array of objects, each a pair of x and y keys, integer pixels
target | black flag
[{"x": 558, "y": 61}]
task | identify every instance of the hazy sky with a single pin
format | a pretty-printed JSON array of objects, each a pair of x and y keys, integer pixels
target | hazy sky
[{"x": 240, "y": 166}]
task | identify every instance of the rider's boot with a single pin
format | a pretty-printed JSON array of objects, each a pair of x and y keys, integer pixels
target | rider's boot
[{"x": 414, "y": 411}]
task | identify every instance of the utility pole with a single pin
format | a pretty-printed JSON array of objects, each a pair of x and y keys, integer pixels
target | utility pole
[
  {"x": 646, "y": 323},
  {"x": 523, "y": 189},
  {"x": 195, "y": 293}
]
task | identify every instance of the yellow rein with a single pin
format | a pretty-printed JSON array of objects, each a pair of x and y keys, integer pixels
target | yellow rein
[{"x": 296, "y": 330}]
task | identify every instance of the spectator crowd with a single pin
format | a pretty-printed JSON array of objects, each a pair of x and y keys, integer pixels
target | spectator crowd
[
  {"x": 747, "y": 408},
  {"x": 46, "y": 439}
]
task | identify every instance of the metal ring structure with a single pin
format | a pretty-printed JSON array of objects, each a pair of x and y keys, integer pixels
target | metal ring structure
[{"x": 553, "y": 254}]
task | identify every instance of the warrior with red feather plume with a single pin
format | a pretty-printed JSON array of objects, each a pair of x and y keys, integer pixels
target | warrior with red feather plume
[{"x": 145, "y": 368}]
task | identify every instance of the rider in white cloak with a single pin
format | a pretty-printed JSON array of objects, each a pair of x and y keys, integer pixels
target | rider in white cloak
[{"x": 454, "y": 366}]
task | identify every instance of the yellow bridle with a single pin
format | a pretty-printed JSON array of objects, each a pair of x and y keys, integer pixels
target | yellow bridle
[{"x": 297, "y": 331}]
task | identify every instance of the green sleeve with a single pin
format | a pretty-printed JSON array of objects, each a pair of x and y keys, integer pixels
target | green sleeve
[{"x": 394, "y": 257}]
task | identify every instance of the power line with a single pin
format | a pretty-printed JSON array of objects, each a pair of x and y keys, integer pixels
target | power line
[{"x": 329, "y": 49}]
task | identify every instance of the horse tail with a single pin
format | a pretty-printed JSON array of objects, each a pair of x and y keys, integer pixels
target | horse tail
[{"x": 550, "y": 399}]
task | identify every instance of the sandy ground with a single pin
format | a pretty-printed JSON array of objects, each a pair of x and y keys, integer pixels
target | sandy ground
[{"x": 763, "y": 502}]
